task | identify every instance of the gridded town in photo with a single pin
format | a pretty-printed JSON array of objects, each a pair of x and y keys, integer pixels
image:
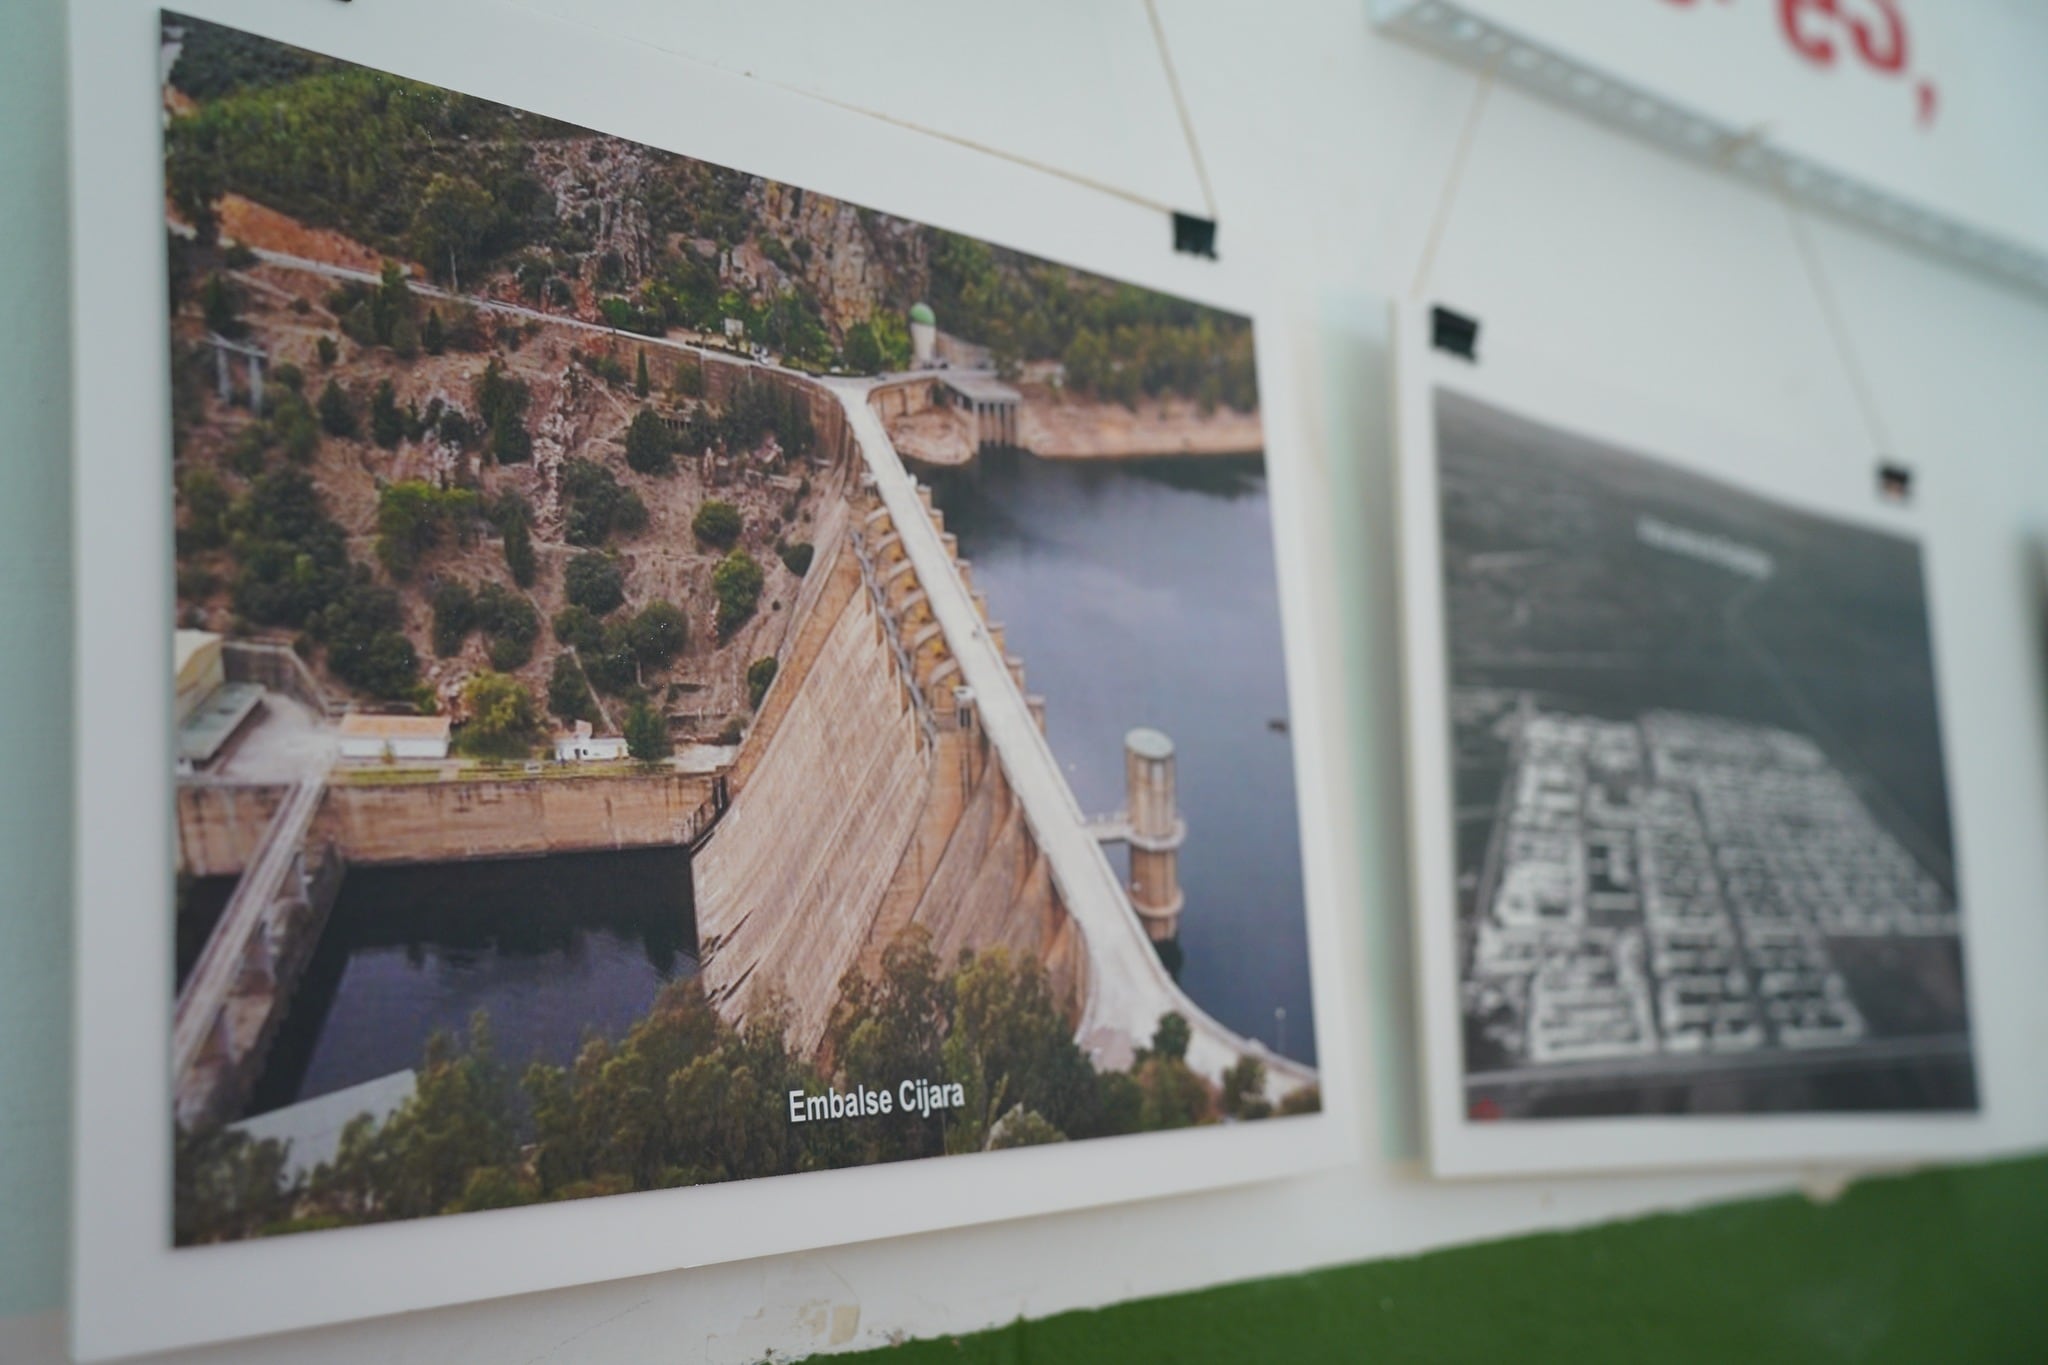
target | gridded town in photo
[{"x": 1703, "y": 840}]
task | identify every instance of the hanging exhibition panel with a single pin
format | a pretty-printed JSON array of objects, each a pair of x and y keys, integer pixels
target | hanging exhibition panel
[
  {"x": 1687, "y": 879},
  {"x": 1910, "y": 119},
  {"x": 689, "y": 700}
]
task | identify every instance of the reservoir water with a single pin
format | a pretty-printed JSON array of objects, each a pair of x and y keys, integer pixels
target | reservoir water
[
  {"x": 551, "y": 948},
  {"x": 1144, "y": 592}
]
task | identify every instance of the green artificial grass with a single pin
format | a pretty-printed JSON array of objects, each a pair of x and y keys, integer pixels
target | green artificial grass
[{"x": 1943, "y": 1265}]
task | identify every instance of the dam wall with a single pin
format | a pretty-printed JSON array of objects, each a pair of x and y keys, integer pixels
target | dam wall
[
  {"x": 512, "y": 817},
  {"x": 973, "y": 877},
  {"x": 788, "y": 887},
  {"x": 221, "y": 823},
  {"x": 898, "y": 398},
  {"x": 867, "y": 801}
]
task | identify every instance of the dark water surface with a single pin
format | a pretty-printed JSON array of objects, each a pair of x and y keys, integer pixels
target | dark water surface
[
  {"x": 552, "y": 947},
  {"x": 1143, "y": 592}
]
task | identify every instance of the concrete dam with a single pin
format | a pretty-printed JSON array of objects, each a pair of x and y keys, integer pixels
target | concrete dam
[{"x": 873, "y": 803}]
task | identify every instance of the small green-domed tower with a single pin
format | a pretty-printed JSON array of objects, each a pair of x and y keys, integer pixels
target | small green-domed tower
[{"x": 924, "y": 335}]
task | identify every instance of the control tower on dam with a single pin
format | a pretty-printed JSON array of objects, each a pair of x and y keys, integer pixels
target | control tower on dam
[{"x": 1151, "y": 824}]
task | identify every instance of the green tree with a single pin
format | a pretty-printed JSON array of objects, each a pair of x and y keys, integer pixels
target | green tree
[
  {"x": 578, "y": 628},
  {"x": 760, "y": 674},
  {"x": 796, "y": 556},
  {"x": 459, "y": 1120},
  {"x": 1009, "y": 1045},
  {"x": 494, "y": 1187},
  {"x": 1244, "y": 1089},
  {"x": 327, "y": 351},
  {"x": 568, "y": 694},
  {"x": 294, "y": 426},
  {"x": 193, "y": 180},
  {"x": 642, "y": 383},
  {"x": 292, "y": 559},
  {"x": 370, "y": 154},
  {"x": 1172, "y": 1096},
  {"x": 502, "y": 722},
  {"x": 717, "y": 523},
  {"x": 454, "y": 607},
  {"x": 1172, "y": 1036},
  {"x": 594, "y": 582},
  {"x": 510, "y": 622},
  {"x": 387, "y": 423},
  {"x": 648, "y": 448},
  {"x": 337, "y": 414},
  {"x": 892, "y": 1026},
  {"x": 205, "y": 502},
  {"x": 892, "y": 340},
  {"x": 216, "y": 61},
  {"x": 736, "y": 583},
  {"x": 364, "y": 631},
  {"x": 246, "y": 452},
  {"x": 659, "y": 632},
  {"x": 519, "y": 553},
  {"x": 227, "y": 1185},
  {"x": 679, "y": 1100},
  {"x": 501, "y": 400},
  {"x": 405, "y": 337},
  {"x": 390, "y": 305},
  {"x": 452, "y": 227},
  {"x": 646, "y": 734},
  {"x": 222, "y": 305},
  {"x": 433, "y": 337},
  {"x": 453, "y": 428},
  {"x": 1022, "y": 1127},
  {"x": 511, "y": 442},
  {"x": 413, "y": 517},
  {"x": 610, "y": 662},
  {"x": 598, "y": 504},
  {"x": 863, "y": 352},
  {"x": 1304, "y": 1099}
]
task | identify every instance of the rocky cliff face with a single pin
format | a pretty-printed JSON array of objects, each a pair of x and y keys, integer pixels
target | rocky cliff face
[
  {"x": 607, "y": 191},
  {"x": 855, "y": 261},
  {"x": 600, "y": 185}
]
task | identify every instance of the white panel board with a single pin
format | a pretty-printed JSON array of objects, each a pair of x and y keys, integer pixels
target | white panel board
[
  {"x": 978, "y": 80},
  {"x": 1922, "y": 122}
]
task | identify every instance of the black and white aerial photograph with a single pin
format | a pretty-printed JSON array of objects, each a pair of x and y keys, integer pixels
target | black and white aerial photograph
[{"x": 1704, "y": 851}]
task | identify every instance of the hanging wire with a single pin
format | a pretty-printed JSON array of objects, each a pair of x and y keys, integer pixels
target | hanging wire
[
  {"x": 1838, "y": 327},
  {"x": 1453, "y": 178},
  {"x": 911, "y": 125},
  {"x": 1180, "y": 105}
]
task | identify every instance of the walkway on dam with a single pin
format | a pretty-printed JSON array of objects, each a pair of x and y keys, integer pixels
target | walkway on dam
[
  {"x": 226, "y": 952},
  {"x": 1129, "y": 988}
]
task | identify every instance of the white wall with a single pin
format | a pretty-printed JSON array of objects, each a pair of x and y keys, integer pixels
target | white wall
[{"x": 1328, "y": 149}]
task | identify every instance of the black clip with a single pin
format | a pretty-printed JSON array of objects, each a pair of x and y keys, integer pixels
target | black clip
[
  {"x": 1894, "y": 482},
  {"x": 1195, "y": 236},
  {"x": 1454, "y": 332}
]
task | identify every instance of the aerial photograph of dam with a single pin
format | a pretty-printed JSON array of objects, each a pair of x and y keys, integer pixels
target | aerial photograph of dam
[
  {"x": 668, "y": 664},
  {"x": 1705, "y": 851}
]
